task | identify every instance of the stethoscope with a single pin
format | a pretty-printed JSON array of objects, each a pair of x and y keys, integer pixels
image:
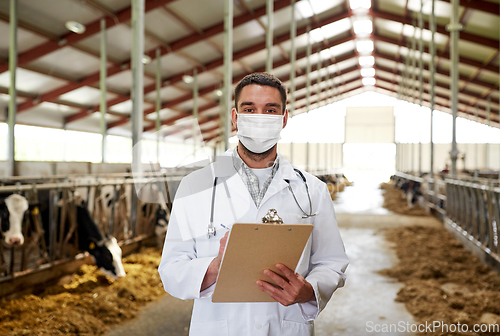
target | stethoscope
[{"x": 211, "y": 229}]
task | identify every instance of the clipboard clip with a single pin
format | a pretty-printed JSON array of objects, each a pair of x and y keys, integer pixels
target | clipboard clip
[{"x": 272, "y": 217}]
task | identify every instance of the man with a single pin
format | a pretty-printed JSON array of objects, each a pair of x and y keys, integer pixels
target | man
[{"x": 240, "y": 188}]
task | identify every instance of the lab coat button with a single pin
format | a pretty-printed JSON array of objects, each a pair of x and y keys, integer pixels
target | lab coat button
[{"x": 258, "y": 325}]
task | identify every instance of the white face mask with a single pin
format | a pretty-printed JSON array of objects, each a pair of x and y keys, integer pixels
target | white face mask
[{"x": 259, "y": 132}]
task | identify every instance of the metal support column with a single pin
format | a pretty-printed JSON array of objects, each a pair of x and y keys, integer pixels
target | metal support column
[
  {"x": 421, "y": 81},
  {"x": 228, "y": 68},
  {"x": 406, "y": 75},
  {"x": 330, "y": 86},
  {"x": 158, "y": 103},
  {"x": 318, "y": 155},
  {"x": 102, "y": 86},
  {"x": 195, "y": 109},
  {"x": 293, "y": 57},
  {"x": 412, "y": 158},
  {"x": 413, "y": 63},
  {"x": 487, "y": 144},
  {"x": 11, "y": 150},
  {"x": 318, "y": 80},
  {"x": 476, "y": 150},
  {"x": 454, "y": 27},
  {"x": 334, "y": 165},
  {"x": 397, "y": 156},
  {"x": 269, "y": 35},
  {"x": 308, "y": 86},
  {"x": 326, "y": 156},
  {"x": 137, "y": 96},
  {"x": 432, "y": 67}
]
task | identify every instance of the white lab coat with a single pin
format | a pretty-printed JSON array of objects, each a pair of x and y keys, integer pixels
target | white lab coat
[{"x": 187, "y": 251}]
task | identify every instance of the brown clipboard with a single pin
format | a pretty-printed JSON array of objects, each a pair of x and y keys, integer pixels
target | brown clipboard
[{"x": 252, "y": 248}]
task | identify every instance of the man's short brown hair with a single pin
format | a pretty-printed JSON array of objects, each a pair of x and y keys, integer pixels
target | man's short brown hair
[{"x": 264, "y": 79}]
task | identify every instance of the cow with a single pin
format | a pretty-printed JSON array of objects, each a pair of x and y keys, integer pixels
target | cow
[
  {"x": 162, "y": 219},
  {"x": 103, "y": 248},
  {"x": 412, "y": 192},
  {"x": 12, "y": 212}
]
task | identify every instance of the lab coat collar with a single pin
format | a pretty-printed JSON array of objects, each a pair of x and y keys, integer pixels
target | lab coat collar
[{"x": 224, "y": 167}]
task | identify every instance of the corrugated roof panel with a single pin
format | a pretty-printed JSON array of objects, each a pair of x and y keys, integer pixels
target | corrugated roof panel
[
  {"x": 207, "y": 13},
  {"x": 52, "y": 14},
  {"x": 31, "y": 82},
  {"x": 123, "y": 81},
  {"x": 475, "y": 51},
  {"x": 203, "y": 51},
  {"x": 166, "y": 94},
  {"x": 165, "y": 25},
  {"x": 247, "y": 34},
  {"x": 86, "y": 96},
  {"x": 25, "y": 40},
  {"x": 119, "y": 43},
  {"x": 69, "y": 61},
  {"x": 483, "y": 24}
]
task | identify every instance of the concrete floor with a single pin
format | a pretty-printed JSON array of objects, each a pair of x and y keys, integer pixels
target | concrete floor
[{"x": 366, "y": 301}]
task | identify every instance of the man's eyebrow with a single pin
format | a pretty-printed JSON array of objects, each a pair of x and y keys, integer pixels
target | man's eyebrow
[
  {"x": 246, "y": 103},
  {"x": 273, "y": 104}
]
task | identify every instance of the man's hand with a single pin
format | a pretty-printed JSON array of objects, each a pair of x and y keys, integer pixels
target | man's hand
[
  {"x": 213, "y": 268},
  {"x": 295, "y": 290}
]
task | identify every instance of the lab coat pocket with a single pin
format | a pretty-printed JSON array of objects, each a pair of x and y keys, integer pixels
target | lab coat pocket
[
  {"x": 292, "y": 328},
  {"x": 215, "y": 328}
]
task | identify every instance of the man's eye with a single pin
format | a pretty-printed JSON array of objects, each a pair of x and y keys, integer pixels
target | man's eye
[
  {"x": 271, "y": 111},
  {"x": 249, "y": 110}
]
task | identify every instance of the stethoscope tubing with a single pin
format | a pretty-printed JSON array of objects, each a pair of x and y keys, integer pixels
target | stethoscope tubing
[{"x": 211, "y": 228}]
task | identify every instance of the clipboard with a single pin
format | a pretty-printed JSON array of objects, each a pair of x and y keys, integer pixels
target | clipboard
[{"x": 252, "y": 248}]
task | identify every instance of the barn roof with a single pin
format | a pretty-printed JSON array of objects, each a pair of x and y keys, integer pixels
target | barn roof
[{"x": 58, "y": 74}]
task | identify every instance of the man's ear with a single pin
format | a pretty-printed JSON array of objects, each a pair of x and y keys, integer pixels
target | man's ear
[
  {"x": 285, "y": 118},
  {"x": 234, "y": 117}
]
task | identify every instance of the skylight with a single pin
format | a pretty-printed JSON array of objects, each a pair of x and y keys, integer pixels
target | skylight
[{"x": 363, "y": 27}]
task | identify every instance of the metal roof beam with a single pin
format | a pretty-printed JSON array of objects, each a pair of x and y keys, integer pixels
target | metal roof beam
[
  {"x": 191, "y": 26},
  {"x": 466, "y": 79},
  {"x": 71, "y": 38},
  {"x": 344, "y": 92},
  {"x": 464, "y": 60},
  {"x": 444, "y": 108},
  {"x": 173, "y": 47},
  {"x": 465, "y": 36},
  {"x": 443, "y": 86},
  {"x": 480, "y": 5},
  {"x": 217, "y": 63},
  {"x": 284, "y": 79}
]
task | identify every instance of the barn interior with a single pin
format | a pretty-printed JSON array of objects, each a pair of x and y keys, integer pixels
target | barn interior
[{"x": 108, "y": 104}]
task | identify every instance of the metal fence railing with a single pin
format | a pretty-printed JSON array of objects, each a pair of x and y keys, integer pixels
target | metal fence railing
[
  {"x": 108, "y": 199},
  {"x": 475, "y": 209},
  {"x": 471, "y": 205}
]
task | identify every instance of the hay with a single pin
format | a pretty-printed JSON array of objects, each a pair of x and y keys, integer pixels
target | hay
[
  {"x": 443, "y": 281},
  {"x": 89, "y": 304},
  {"x": 395, "y": 202}
]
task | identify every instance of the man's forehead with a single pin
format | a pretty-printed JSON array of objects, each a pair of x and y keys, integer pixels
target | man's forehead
[{"x": 259, "y": 93}]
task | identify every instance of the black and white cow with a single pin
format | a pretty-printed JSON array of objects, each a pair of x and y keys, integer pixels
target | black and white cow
[
  {"x": 12, "y": 211},
  {"x": 162, "y": 219},
  {"x": 412, "y": 191},
  {"x": 104, "y": 249}
]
